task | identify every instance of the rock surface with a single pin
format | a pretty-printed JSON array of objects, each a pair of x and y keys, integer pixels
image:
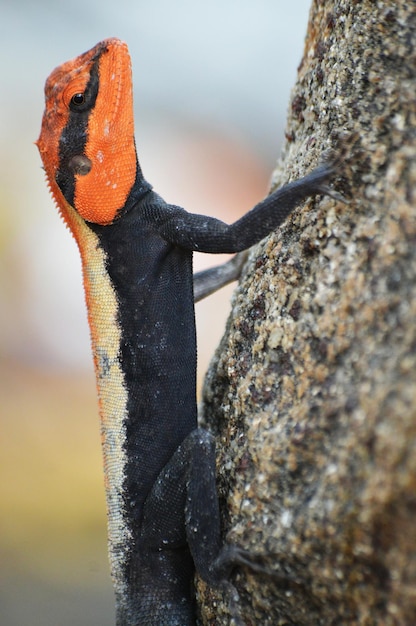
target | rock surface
[{"x": 312, "y": 392}]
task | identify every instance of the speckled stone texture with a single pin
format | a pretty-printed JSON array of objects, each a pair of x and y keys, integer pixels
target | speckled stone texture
[{"x": 312, "y": 392}]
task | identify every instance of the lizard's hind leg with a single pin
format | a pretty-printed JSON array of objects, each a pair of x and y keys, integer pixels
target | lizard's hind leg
[
  {"x": 182, "y": 506},
  {"x": 181, "y": 515}
]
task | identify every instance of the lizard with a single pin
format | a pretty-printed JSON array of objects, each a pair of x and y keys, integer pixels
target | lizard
[{"x": 136, "y": 255}]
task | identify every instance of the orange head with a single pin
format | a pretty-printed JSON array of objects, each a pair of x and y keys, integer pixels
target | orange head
[{"x": 87, "y": 137}]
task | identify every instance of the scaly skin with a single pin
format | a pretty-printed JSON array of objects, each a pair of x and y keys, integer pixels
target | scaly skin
[
  {"x": 136, "y": 251},
  {"x": 108, "y": 144}
]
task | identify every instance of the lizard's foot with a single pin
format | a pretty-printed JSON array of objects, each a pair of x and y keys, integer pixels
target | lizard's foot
[{"x": 232, "y": 556}]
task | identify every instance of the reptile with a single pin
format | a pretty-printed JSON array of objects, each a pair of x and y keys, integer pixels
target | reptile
[{"x": 136, "y": 253}]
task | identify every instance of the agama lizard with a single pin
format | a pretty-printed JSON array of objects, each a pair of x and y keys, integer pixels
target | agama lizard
[{"x": 136, "y": 251}]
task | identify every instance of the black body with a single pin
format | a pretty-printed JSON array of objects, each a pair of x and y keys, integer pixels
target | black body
[{"x": 170, "y": 498}]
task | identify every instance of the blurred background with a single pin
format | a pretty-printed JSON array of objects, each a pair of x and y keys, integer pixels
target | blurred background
[{"x": 211, "y": 83}]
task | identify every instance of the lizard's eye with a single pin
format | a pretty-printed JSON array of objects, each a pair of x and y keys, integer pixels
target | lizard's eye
[{"x": 78, "y": 99}]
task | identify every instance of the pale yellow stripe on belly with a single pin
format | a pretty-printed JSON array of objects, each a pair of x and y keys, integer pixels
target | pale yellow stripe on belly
[{"x": 112, "y": 394}]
